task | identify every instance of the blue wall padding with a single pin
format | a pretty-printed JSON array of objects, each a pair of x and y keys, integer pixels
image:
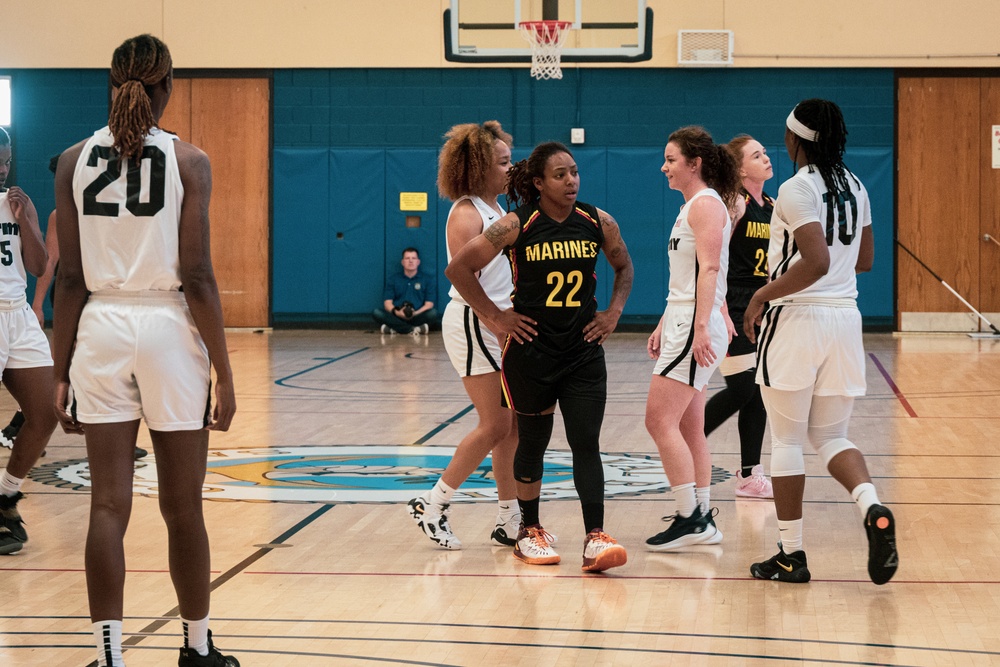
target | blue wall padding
[
  {"x": 414, "y": 170},
  {"x": 363, "y": 204},
  {"x": 357, "y": 211},
  {"x": 302, "y": 228}
]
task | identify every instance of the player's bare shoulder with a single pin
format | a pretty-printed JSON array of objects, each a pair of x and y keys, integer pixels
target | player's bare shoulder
[{"x": 192, "y": 162}]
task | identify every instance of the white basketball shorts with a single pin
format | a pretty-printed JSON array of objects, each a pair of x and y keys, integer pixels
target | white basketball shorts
[
  {"x": 812, "y": 345},
  {"x": 676, "y": 359},
  {"x": 472, "y": 347},
  {"x": 22, "y": 342},
  {"x": 139, "y": 356}
]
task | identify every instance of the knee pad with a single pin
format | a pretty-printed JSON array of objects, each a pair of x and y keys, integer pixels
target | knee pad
[
  {"x": 528, "y": 469},
  {"x": 787, "y": 460},
  {"x": 533, "y": 436},
  {"x": 831, "y": 448}
]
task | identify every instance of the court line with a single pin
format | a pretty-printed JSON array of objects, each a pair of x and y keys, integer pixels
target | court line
[
  {"x": 516, "y": 628},
  {"x": 600, "y": 577},
  {"x": 226, "y": 576},
  {"x": 561, "y": 647},
  {"x": 443, "y": 425},
  {"x": 892, "y": 385},
  {"x": 326, "y": 362}
]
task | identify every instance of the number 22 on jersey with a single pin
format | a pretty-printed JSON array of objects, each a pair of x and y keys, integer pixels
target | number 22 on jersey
[{"x": 573, "y": 281}]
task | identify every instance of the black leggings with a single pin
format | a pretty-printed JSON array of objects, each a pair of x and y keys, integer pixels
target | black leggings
[
  {"x": 582, "y": 420},
  {"x": 742, "y": 393}
]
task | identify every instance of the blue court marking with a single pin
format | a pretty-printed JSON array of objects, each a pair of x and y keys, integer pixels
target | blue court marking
[{"x": 326, "y": 362}]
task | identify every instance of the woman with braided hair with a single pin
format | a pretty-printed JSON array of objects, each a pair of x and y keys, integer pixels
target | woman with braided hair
[
  {"x": 472, "y": 172},
  {"x": 138, "y": 326},
  {"x": 811, "y": 359},
  {"x": 554, "y": 336},
  {"x": 691, "y": 339}
]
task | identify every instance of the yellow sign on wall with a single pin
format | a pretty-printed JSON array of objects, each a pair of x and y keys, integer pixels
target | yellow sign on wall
[{"x": 412, "y": 201}]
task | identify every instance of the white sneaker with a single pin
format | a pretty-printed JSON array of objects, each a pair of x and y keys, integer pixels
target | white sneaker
[
  {"x": 505, "y": 532},
  {"x": 385, "y": 329},
  {"x": 434, "y": 522},
  {"x": 533, "y": 547},
  {"x": 602, "y": 552},
  {"x": 757, "y": 485},
  {"x": 420, "y": 329}
]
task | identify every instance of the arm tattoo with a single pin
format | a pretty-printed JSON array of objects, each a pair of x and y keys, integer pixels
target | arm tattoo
[{"x": 496, "y": 234}]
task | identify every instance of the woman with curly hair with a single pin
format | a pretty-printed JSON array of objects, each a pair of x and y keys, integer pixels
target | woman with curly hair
[{"x": 472, "y": 172}]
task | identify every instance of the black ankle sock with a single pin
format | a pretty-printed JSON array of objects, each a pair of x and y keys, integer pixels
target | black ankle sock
[{"x": 529, "y": 511}]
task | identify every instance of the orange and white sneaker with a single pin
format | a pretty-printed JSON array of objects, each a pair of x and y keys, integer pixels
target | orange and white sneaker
[
  {"x": 533, "y": 546},
  {"x": 602, "y": 552}
]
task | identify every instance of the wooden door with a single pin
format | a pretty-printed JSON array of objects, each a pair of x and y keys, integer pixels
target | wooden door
[
  {"x": 938, "y": 201},
  {"x": 230, "y": 120},
  {"x": 989, "y": 252}
]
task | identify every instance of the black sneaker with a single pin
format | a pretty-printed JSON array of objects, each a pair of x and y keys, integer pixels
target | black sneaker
[
  {"x": 883, "y": 560},
  {"x": 139, "y": 453},
  {"x": 10, "y": 518},
  {"x": 783, "y": 567},
  {"x": 11, "y": 430},
  {"x": 190, "y": 658},
  {"x": 685, "y": 531},
  {"x": 8, "y": 543}
]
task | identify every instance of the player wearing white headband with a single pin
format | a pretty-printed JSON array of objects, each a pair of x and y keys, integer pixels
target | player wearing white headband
[{"x": 810, "y": 357}]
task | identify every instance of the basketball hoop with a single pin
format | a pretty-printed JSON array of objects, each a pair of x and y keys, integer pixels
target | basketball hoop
[{"x": 546, "y": 39}]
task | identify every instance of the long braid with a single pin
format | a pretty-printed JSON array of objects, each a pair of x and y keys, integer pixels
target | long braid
[
  {"x": 139, "y": 62},
  {"x": 827, "y": 152},
  {"x": 521, "y": 181}
]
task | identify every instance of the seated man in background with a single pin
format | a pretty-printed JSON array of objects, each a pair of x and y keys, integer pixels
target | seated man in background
[{"x": 407, "y": 305}]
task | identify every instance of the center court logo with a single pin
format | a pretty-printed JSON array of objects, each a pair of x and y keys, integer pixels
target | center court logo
[{"x": 367, "y": 474}]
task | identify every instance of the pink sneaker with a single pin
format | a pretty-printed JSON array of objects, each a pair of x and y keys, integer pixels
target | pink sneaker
[{"x": 757, "y": 485}]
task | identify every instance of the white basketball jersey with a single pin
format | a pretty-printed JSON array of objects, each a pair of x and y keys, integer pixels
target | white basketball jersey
[
  {"x": 803, "y": 199},
  {"x": 684, "y": 259},
  {"x": 12, "y": 277},
  {"x": 496, "y": 276},
  {"x": 129, "y": 214}
]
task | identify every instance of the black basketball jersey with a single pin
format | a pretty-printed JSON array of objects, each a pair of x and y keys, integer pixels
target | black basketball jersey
[
  {"x": 554, "y": 272},
  {"x": 749, "y": 242}
]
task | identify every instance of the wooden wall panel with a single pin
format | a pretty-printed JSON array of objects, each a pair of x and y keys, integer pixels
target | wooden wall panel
[
  {"x": 938, "y": 140},
  {"x": 989, "y": 219},
  {"x": 230, "y": 120},
  {"x": 177, "y": 116}
]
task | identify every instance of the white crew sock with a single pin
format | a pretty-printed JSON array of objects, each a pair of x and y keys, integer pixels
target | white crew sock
[
  {"x": 865, "y": 496},
  {"x": 509, "y": 509},
  {"x": 196, "y": 635},
  {"x": 685, "y": 499},
  {"x": 441, "y": 494},
  {"x": 108, "y": 637},
  {"x": 702, "y": 494},
  {"x": 790, "y": 533},
  {"x": 9, "y": 485}
]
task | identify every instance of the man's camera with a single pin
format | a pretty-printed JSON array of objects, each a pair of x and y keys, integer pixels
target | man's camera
[{"x": 407, "y": 309}]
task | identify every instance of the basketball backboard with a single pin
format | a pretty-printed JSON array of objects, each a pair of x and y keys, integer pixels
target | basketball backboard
[{"x": 603, "y": 30}]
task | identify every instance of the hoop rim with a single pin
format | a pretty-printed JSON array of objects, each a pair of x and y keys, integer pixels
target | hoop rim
[{"x": 539, "y": 26}]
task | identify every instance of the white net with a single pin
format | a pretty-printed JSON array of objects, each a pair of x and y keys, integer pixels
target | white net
[{"x": 546, "y": 39}]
